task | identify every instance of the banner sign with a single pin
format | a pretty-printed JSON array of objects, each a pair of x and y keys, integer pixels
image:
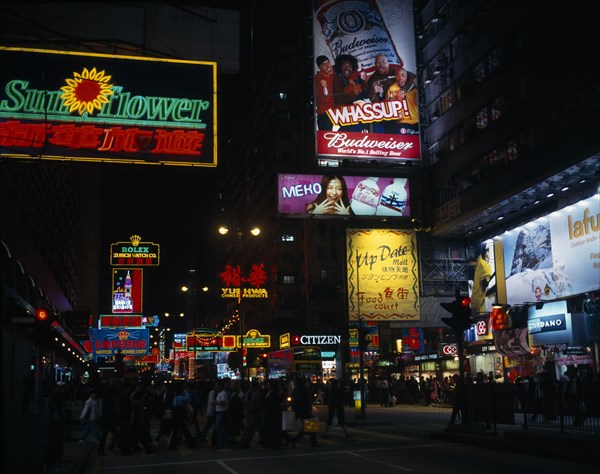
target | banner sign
[
  {"x": 59, "y": 105},
  {"x": 365, "y": 84},
  {"x": 128, "y": 342},
  {"x": 209, "y": 340},
  {"x": 301, "y": 195},
  {"x": 233, "y": 278},
  {"x": 383, "y": 275},
  {"x": 120, "y": 321},
  {"x": 554, "y": 257},
  {"x": 512, "y": 342},
  {"x": 127, "y": 290},
  {"x": 134, "y": 253},
  {"x": 254, "y": 339}
]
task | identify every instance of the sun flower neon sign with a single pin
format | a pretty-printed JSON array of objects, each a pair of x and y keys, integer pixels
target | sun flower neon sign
[{"x": 87, "y": 91}]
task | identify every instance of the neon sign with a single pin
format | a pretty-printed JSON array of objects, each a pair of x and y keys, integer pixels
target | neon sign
[{"x": 93, "y": 107}]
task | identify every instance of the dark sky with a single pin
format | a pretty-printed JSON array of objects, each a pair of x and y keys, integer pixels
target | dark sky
[{"x": 169, "y": 206}]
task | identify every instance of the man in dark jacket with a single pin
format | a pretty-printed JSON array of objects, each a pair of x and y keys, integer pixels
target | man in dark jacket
[{"x": 302, "y": 406}]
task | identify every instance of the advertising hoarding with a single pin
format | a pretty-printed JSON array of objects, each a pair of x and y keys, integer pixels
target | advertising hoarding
[
  {"x": 134, "y": 253},
  {"x": 128, "y": 342},
  {"x": 383, "y": 275},
  {"x": 127, "y": 290},
  {"x": 302, "y": 195},
  {"x": 59, "y": 105},
  {"x": 553, "y": 257},
  {"x": 365, "y": 84}
]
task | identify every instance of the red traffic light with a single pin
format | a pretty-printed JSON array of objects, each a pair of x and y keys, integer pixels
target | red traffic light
[
  {"x": 465, "y": 302},
  {"x": 41, "y": 314}
]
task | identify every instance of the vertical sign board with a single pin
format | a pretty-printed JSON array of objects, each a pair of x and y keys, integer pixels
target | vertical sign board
[
  {"x": 127, "y": 290},
  {"x": 383, "y": 275},
  {"x": 365, "y": 84},
  {"x": 59, "y": 105}
]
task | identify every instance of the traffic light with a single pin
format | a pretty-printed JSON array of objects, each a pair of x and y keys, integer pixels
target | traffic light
[
  {"x": 264, "y": 358},
  {"x": 460, "y": 309},
  {"x": 42, "y": 326}
]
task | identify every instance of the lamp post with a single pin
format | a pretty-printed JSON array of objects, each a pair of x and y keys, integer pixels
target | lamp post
[
  {"x": 361, "y": 343},
  {"x": 193, "y": 308},
  {"x": 254, "y": 231}
]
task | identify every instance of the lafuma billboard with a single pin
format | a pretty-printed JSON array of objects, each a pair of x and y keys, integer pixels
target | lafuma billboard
[
  {"x": 302, "y": 195},
  {"x": 365, "y": 83},
  {"x": 59, "y": 105},
  {"x": 553, "y": 257}
]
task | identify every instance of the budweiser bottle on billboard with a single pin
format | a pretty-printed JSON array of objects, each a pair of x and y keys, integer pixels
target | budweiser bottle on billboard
[{"x": 356, "y": 27}]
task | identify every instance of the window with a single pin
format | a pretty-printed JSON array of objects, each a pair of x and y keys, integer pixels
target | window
[
  {"x": 482, "y": 119},
  {"x": 479, "y": 72},
  {"x": 498, "y": 106},
  {"x": 282, "y": 96},
  {"x": 287, "y": 238},
  {"x": 495, "y": 59},
  {"x": 323, "y": 274},
  {"x": 288, "y": 279}
]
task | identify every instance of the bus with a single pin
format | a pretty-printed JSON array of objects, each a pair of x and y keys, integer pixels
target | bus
[{"x": 303, "y": 361}]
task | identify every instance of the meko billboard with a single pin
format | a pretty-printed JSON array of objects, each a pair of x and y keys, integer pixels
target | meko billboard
[
  {"x": 553, "y": 257},
  {"x": 59, "y": 105},
  {"x": 383, "y": 275},
  {"x": 301, "y": 195},
  {"x": 365, "y": 83}
]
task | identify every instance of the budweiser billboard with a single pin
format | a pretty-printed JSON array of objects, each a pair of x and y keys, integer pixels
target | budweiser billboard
[{"x": 365, "y": 85}]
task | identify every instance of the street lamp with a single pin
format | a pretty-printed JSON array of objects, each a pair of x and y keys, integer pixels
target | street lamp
[{"x": 255, "y": 232}]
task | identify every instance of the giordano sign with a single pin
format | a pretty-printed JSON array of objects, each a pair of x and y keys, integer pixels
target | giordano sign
[{"x": 91, "y": 107}]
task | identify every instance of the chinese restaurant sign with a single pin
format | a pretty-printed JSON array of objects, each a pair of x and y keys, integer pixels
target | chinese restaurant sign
[
  {"x": 59, "y": 105},
  {"x": 254, "y": 281},
  {"x": 134, "y": 253},
  {"x": 201, "y": 340},
  {"x": 383, "y": 275}
]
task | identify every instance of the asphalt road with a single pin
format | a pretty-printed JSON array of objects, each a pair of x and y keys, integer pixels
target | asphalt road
[{"x": 388, "y": 440}]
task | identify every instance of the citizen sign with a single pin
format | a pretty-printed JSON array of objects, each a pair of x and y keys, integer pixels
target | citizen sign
[
  {"x": 555, "y": 322},
  {"x": 310, "y": 340}
]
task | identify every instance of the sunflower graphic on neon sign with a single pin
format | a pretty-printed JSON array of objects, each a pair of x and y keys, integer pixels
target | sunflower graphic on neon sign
[{"x": 87, "y": 91}]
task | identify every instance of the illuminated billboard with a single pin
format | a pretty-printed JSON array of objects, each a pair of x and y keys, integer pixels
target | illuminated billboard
[
  {"x": 128, "y": 342},
  {"x": 365, "y": 83},
  {"x": 59, "y": 105},
  {"x": 134, "y": 253},
  {"x": 553, "y": 257},
  {"x": 301, "y": 195},
  {"x": 383, "y": 275},
  {"x": 127, "y": 290}
]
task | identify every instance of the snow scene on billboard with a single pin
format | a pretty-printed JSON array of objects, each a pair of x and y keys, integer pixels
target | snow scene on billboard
[
  {"x": 302, "y": 195},
  {"x": 365, "y": 83},
  {"x": 555, "y": 256}
]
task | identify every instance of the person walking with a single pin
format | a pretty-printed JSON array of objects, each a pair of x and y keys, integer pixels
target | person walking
[
  {"x": 91, "y": 415},
  {"x": 302, "y": 405},
  {"x": 334, "y": 398},
  {"x": 211, "y": 403},
  {"x": 181, "y": 409},
  {"x": 252, "y": 409},
  {"x": 222, "y": 421}
]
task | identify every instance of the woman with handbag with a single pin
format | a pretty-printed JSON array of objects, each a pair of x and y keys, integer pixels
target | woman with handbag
[{"x": 302, "y": 406}]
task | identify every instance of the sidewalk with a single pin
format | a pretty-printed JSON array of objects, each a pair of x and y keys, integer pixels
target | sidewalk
[{"x": 76, "y": 457}]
